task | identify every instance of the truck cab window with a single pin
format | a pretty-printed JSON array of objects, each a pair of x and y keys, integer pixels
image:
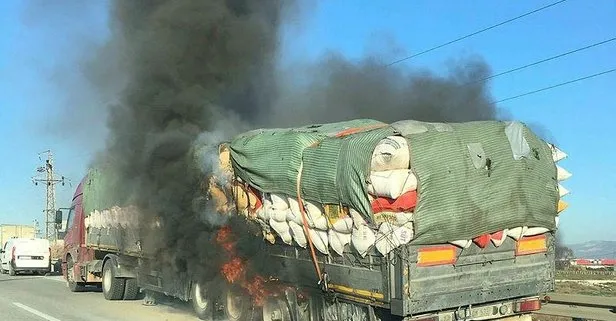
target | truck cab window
[{"x": 70, "y": 218}]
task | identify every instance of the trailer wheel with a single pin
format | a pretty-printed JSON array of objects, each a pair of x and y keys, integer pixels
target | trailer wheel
[
  {"x": 131, "y": 289},
  {"x": 236, "y": 306},
  {"x": 276, "y": 309},
  {"x": 201, "y": 302},
  {"x": 113, "y": 287},
  {"x": 70, "y": 277}
]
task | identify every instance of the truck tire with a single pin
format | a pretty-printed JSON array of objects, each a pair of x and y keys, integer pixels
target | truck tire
[
  {"x": 131, "y": 289},
  {"x": 11, "y": 269},
  {"x": 113, "y": 287},
  {"x": 236, "y": 306},
  {"x": 201, "y": 301},
  {"x": 73, "y": 286}
]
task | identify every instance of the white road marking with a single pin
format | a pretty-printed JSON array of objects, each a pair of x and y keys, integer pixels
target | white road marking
[{"x": 35, "y": 312}]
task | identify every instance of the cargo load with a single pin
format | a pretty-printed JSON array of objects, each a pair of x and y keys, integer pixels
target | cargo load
[{"x": 364, "y": 184}]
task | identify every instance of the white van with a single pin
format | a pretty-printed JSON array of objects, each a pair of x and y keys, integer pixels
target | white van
[{"x": 25, "y": 255}]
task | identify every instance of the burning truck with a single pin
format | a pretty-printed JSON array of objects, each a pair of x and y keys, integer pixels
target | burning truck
[{"x": 356, "y": 219}]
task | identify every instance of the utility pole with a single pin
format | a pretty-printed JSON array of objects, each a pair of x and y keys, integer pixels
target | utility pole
[
  {"x": 49, "y": 178},
  {"x": 37, "y": 231}
]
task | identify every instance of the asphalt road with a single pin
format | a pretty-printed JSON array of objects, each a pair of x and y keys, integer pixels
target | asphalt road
[{"x": 46, "y": 298}]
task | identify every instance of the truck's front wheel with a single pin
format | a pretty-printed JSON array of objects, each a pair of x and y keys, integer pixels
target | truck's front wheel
[
  {"x": 70, "y": 277},
  {"x": 113, "y": 287},
  {"x": 201, "y": 302}
]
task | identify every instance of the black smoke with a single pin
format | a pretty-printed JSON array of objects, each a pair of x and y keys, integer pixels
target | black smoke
[
  {"x": 190, "y": 66},
  {"x": 336, "y": 88}
]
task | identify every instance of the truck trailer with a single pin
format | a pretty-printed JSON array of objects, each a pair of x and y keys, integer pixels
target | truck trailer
[{"x": 359, "y": 220}]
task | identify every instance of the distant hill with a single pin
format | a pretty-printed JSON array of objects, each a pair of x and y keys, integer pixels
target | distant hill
[{"x": 594, "y": 250}]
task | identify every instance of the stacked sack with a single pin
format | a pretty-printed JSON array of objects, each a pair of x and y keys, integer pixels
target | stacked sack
[
  {"x": 393, "y": 194},
  {"x": 114, "y": 217},
  {"x": 386, "y": 220},
  {"x": 392, "y": 191}
]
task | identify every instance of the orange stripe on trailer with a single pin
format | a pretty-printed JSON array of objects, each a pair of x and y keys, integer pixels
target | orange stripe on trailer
[
  {"x": 531, "y": 245},
  {"x": 436, "y": 255}
]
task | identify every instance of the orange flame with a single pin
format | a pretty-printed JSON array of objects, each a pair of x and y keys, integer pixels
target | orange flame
[{"x": 234, "y": 270}]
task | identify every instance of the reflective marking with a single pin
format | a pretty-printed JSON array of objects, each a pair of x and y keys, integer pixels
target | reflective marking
[{"x": 35, "y": 312}]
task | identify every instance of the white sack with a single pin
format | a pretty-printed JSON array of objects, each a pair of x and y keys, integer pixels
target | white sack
[
  {"x": 392, "y": 184},
  {"x": 362, "y": 239},
  {"x": 404, "y": 218},
  {"x": 517, "y": 233},
  {"x": 385, "y": 241},
  {"x": 278, "y": 215},
  {"x": 263, "y": 214},
  {"x": 390, "y": 237},
  {"x": 343, "y": 225},
  {"x": 313, "y": 210},
  {"x": 282, "y": 229},
  {"x": 532, "y": 231},
  {"x": 279, "y": 202},
  {"x": 391, "y": 153},
  {"x": 562, "y": 174},
  {"x": 319, "y": 240},
  {"x": 314, "y": 214},
  {"x": 105, "y": 218},
  {"x": 358, "y": 219},
  {"x": 404, "y": 234},
  {"x": 462, "y": 243},
  {"x": 557, "y": 154},
  {"x": 562, "y": 191},
  {"x": 297, "y": 231},
  {"x": 294, "y": 206},
  {"x": 337, "y": 240},
  {"x": 319, "y": 223}
]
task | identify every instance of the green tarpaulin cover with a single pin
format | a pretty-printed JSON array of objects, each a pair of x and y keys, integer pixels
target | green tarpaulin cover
[{"x": 474, "y": 178}]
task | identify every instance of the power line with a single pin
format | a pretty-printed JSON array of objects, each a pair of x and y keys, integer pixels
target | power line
[
  {"x": 554, "y": 86},
  {"x": 476, "y": 33},
  {"x": 542, "y": 61}
]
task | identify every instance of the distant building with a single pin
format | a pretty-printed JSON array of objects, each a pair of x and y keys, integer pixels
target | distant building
[
  {"x": 8, "y": 231},
  {"x": 594, "y": 263}
]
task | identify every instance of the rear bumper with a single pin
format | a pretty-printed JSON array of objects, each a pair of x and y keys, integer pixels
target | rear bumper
[
  {"x": 31, "y": 265},
  {"x": 33, "y": 269}
]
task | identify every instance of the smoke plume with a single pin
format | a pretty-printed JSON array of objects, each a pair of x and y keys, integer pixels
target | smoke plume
[
  {"x": 337, "y": 89},
  {"x": 191, "y": 66}
]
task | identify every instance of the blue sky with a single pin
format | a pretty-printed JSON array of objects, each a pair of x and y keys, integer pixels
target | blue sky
[{"x": 577, "y": 117}]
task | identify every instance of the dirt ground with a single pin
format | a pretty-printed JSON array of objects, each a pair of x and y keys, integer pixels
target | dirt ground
[{"x": 587, "y": 287}]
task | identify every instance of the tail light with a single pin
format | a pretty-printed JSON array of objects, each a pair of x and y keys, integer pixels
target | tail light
[
  {"x": 13, "y": 254},
  {"x": 531, "y": 245},
  {"x": 527, "y": 305},
  {"x": 437, "y": 255}
]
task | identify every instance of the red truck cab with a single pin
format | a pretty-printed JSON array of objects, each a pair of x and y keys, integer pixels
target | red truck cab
[{"x": 75, "y": 252}]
